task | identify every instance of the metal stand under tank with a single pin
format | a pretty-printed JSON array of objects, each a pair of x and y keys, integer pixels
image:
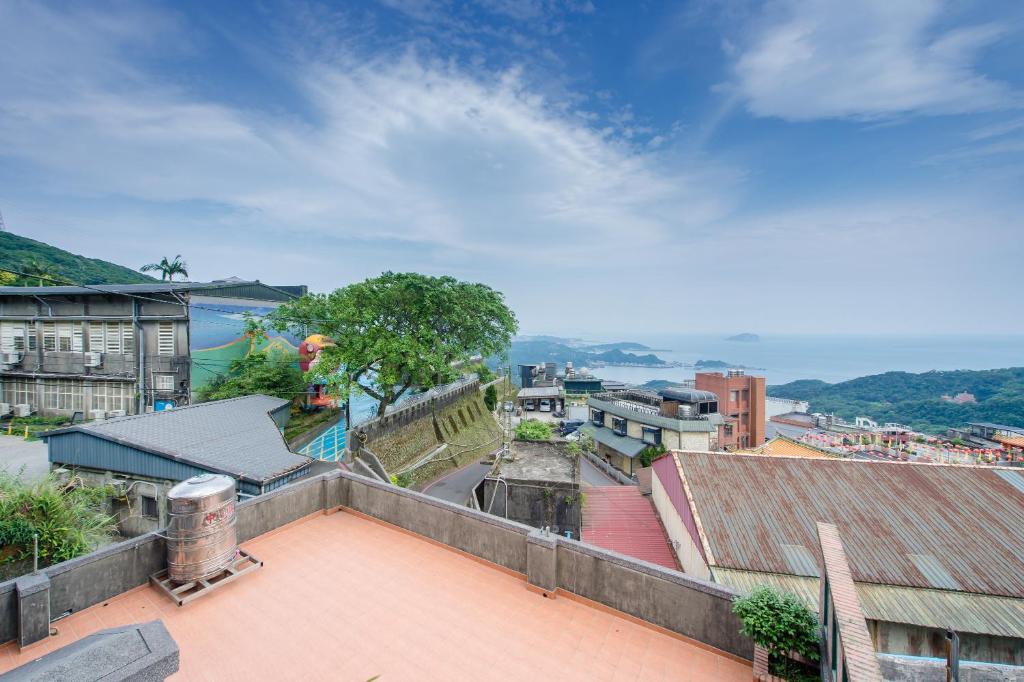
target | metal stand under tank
[{"x": 202, "y": 549}]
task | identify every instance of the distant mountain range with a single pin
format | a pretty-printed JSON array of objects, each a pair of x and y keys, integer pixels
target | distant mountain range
[
  {"x": 541, "y": 349},
  {"x": 746, "y": 337},
  {"x": 16, "y": 252},
  {"x": 916, "y": 399}
]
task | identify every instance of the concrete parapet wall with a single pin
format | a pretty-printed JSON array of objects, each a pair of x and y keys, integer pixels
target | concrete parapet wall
[
  {"x": 488, "y": 537},
  {"x": 688, "y": 606},
  {"x": 681, "y": 604}
]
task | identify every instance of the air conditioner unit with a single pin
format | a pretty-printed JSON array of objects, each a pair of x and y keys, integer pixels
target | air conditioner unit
[
  {"x": 115, "y": 413},
  {"x": 22, "y": 410},
  {"x": 5, "y": 409},
  {"x": 10, "y": 358},
  {"x": 94, "y": 359},
  {"x": 97, "y": 414}
]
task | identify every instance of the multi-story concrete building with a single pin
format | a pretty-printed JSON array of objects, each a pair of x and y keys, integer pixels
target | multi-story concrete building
[
  {"x": 741, "y": 402},
  {"x": 623, "y": 423},
  {"x": 112, "y": 350}
]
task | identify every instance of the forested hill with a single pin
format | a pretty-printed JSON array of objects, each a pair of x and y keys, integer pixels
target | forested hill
[
  {"x": 16, "y": 252},
  {"x": 916, "y": 399}
]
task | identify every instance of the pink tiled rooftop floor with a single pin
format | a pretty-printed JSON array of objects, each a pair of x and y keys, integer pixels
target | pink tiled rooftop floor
[{"x": 341, "y": 597}]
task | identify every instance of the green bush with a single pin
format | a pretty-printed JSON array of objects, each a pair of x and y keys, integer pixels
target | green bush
[
  {"x": 782, "y": 624},
  {"x": 70, "y": 520},
  {"x": 485, "y": 373},
  {"x": 532, "y": 429},
  {"x": 491, "y": 398},
  {"x": 651, "y": 453}
]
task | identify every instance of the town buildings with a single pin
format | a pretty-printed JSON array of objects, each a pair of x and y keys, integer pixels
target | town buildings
[
  {"x": 141, "y": 457},
  {"x": 930, "y": 546},
  {"x": 741, "y": 400},
  {"x": 623, "y": 423},
  {"x": 114, "y": 350}
]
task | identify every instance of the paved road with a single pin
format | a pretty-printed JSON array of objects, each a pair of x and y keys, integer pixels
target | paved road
[
  {"x": 591, "y": 475},
  {"x": 457, "y": 486},
  {"x": 27, "y": 457}
]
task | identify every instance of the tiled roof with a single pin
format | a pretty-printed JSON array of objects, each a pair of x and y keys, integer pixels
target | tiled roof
[
  {"x": 235, "y": 436},
  {"x": 435, "y": 615},
  {"x": 619, "y": 518},
  {"x": 918, "y": 525}
]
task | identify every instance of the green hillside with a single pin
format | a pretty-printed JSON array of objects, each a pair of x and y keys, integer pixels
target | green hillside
[
  {"x": 16, "y": 252},
  {"x": 916, "y": 399}
]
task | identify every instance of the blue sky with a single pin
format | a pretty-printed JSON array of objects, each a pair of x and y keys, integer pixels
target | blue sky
[{"x": 797, "y": 166}]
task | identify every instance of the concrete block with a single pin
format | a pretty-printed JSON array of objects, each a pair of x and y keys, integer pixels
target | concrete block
[
  {"x": 136, "y": 653},
  {"x": 33, "y": 608},
  {"x": 542, "y": 561}
]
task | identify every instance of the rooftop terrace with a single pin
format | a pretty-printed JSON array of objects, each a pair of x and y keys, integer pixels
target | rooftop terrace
[{"x": 347, "y": 596}]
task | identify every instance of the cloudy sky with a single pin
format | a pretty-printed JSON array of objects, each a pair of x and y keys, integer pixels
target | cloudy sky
[{"x": 792, "y": 166}]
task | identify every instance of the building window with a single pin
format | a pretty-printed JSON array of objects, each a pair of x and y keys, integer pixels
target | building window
[
  {"x": 62, "y": 395},
  {"x": 652, "y": 435},
  {"x": 165, "y": 339},
  {"x": 619, "y": 426},
  {"x": 13, "y": 337},
  {"x": 597, "y": 417},
  {"x": 110, "y": 396},
  {"x": 111, "y": 337},
  {"x": 49, "y": 337},
  {"x": 165, "y": 382},
  {"x": 149, "y": 507},
  {"x": 19, "y": 393},
  {"x": 734, "y": 397}
]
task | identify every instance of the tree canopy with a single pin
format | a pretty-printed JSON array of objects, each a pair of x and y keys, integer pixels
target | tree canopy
[
  {"x": 168, "y": 268},
  {"x": 398, "y": 331}
]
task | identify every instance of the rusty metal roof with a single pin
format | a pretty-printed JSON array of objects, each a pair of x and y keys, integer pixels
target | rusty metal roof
[
  {"x": 619, "y": 518},
  {"x": 948, "y": 527},
  {"x": 978, "y": 613}
]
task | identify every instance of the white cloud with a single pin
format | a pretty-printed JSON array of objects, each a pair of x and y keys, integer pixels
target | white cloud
[{"x": 814, "y": 59}]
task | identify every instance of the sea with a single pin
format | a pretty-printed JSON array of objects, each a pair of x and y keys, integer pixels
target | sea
[{"x": 781, "y": 359}]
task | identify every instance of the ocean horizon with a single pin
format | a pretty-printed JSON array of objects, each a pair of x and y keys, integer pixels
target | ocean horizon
[{"x": 784, "y": 358}]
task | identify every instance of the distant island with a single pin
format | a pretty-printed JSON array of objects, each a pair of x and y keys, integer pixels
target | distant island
[
  {"x": 917, "y": 399},
  {"x": 745, "y": 337}
]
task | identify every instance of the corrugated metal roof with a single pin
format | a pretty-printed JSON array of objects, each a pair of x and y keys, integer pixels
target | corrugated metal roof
[
  {"x": 236, "y": 436},
  {"x": 967, "y": 518},
  {"x": 539, "y": 392},
  {"x": 630, "y": 447},
  {"x": 619, "y": 518},
  {"x": 226, "y": 288},
  {"x": 964, "y": 612}
]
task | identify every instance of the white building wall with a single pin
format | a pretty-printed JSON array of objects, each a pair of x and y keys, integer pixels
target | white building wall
[{"x": 689, "y": 556}]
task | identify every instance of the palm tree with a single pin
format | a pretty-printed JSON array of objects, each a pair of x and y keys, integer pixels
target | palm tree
[
  {"x": 168, "y": 269},
  {"x": 39, "y": 270}
]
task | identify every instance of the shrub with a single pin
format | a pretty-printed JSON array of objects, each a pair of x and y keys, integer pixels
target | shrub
[
  {"x": 651, "y": 453},
  {"x": 491, "y": 398},
  {"x": 532, "y": 429},
  {"x": 69, "y": 519},
  {"x": 782, "y": 624}
]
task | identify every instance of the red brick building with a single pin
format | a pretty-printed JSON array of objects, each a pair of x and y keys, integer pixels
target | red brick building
[{"x": 741, "y": 402}]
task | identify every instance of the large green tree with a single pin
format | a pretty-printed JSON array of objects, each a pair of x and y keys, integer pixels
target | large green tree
[{"x": 398, "y": 331}]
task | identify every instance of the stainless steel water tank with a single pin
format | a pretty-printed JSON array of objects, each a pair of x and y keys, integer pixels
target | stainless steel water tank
[{"x": 201, "y": 538}]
